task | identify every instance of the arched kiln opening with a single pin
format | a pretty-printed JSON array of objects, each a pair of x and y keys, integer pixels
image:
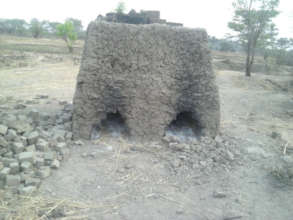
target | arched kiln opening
[
  {"x": 184, "y": 126},
  {"x": 113, "y": 125}
]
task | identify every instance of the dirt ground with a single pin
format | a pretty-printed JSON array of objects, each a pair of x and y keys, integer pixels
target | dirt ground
[{"x": 121, "y": 179}]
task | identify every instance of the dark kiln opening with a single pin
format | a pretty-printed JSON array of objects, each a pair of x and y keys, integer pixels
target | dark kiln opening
[
  {"x": 184, "y": 126},
  {"x": 113, "y": 125}
]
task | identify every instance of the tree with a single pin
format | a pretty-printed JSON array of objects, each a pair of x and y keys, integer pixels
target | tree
[
  {"x": 282, "y": 52},
  {"x": 253, "y": 20},
  {"x": 120, "y": 9},
  {"x": 67, "y": 33},
  {"x": 36, "y": 27},
  {"x": 78, "y": 28},
  {"x": 13, "y": 27}
]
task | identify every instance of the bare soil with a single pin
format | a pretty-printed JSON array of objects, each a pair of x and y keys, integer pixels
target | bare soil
[{"x": 122, "y": 179}]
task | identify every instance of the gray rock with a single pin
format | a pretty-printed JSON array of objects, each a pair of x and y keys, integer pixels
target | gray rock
[
  {"x": 78, "y": 142},
  {"x": 68, "y": 136},
  {"x": 12, "y": 180},
  {"x": 26, "y": 165},
  {"x": 32, "y": 182},
  {"x": 35, "y": 116},
  {"x": 219, "y": 195},
  {"x": 3, "y": 142},
  {"x": 26, "y": 156},
  {"x": 23, "y": 140},
  {"x": 27, "y": 190},
  {"x": 19, "y": 106},
  {"x": 39, "y": 162},
  {"x": 17, "y": 147},
  {"x": 256, "y": 152},
  {"x": 14, "y": 168},
  {"x": 11, "y": 135},
  {"x": 31, "y": 148},
  {"x": 4, "y": 172},
  {"x": 60, "y": 146},
  {"x": 3, "y": 129},
  {"x": 59, "y": 135},
  {"x": 32, "y": 138},
  {"x": 1, "y": 165},
  {"x": 179, "y": 77},
  {"x": 49, "y": 157},
  {"x": 55, "y": 164},
  {"x": 44, "y": 172},
  {"x": 20, "y": 126},
  {"x": 6, "y": 161},
  {"x": 42, "y": 145}
]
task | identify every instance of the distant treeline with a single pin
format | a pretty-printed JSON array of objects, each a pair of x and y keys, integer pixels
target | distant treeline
[
  {"x": 279, "y": 52},
  {"x": 36, "y": 28}
]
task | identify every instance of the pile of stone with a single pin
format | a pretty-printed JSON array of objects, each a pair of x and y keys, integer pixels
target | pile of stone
[{"x": 31, "y": 145}]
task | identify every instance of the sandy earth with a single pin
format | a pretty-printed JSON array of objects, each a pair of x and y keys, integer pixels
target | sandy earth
[{"x": 121, "y": 179}]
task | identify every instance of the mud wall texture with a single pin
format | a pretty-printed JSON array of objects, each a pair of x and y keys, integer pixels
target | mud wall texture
[{"x": 147, "y": 73}]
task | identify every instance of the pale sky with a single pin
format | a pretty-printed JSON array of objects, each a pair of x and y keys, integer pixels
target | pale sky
[{"x": 213, "y": 15}]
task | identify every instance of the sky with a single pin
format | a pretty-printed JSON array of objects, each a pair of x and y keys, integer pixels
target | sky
[{"x": 213, "y": 15}]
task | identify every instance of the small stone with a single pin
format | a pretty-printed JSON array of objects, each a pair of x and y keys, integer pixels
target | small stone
[
  {"x": 219, "y": 195},
  {"x": 78, "y": 142},
  {"x": 176, "y": 163},
  {"x": 33, "y": 137},
  {"x": 49, "y": 157},
  {"x": 14, "y": 168},
  {"x": 6, "y": 161},
  {"x": 27, "y": 190},
  {"x": 59, "y": 135},
  {"x": 41, "y": 97},
  {"x": 31, "y": 148},
  {"x": 230, "y": 155},
  {"x": 8, "y": 154},
  {"x": 68, "y": 135},
  {"x": 4, "y": 172},
  {"x": 26, "y": 156},
  {"x": 39, "y": 162},
  {"x": 26, "y": 165},
  {"x": 17, "y": 147},
  {"x": 34, "y": 115},
  {"x": 12, "y": 180},
  {"x": 19, "y": 106},
  {"x": 3, "y": 142},
  {"x": 3, "y": 129},
  {"x": 32, "y": 182},
  {"x": 20, "y": 126},
  {"x": 60, "y": 146},
  {"x": 11, "y": 135},
  {"x": 44, "y": 172},
  {"x": 275, "y": 135},
  {"x": 42, "y": 145},
  {"x": 23, "y": 140},
  {"x": 55, "y": 164}
]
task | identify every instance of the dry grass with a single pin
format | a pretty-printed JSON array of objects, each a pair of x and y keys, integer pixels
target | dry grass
[{"x": 37, "y": 207}]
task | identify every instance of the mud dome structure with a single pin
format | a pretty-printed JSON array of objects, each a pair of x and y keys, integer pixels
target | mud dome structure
[{"x": 148, "y": 75}]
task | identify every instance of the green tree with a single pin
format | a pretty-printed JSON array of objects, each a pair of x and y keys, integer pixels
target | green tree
[
  {"x": 120, "y": 9},
  {"x": 13, "y": 27},
  {"x": 67, "y": 33},
  {"x": 36, "y": 27},
  {"x": 253, "y": 21},
  {"x": 282, "y": 51},
  {"x": 78, "y": 28}
]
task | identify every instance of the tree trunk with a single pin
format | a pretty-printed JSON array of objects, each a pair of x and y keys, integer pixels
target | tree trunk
[
  {"x": 248, "y": 60},
  {"x": 70, "y": 48}
]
